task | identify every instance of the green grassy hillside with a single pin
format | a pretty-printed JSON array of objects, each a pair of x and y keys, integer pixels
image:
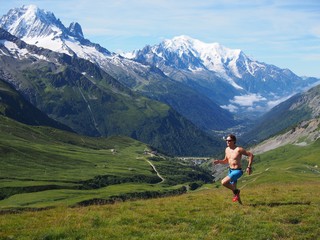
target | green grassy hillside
[
  {"x": 280, "y": 201},
  {"x": 43, "y": 167},
  {"x": 13, "y": 105}
]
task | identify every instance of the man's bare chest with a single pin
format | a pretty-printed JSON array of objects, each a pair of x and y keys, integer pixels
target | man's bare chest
[{"x": 233, "y": 154}]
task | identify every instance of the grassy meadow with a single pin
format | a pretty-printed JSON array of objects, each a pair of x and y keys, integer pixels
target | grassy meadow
[
  {"x": 280, "y": 201},
  {"x": 269, "y": 211},
  {"x": 44, "y": 167}
]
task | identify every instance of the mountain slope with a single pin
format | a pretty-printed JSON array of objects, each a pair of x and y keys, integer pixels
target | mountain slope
[
  {"x": 224, "y": 75},
  {"x": 80, "y": 95},
  {"x": 41, "y": 28},
  {"x": 301, "y": 107},
  {"x": 43, "y": 167},
  {"x": 14, "y": 106},
  {"x": 288, "y": 209},
  {"x": 302, "y": 134}
]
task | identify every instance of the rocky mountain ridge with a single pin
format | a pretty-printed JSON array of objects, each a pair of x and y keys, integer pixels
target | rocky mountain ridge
[
  {"x": 79, "y": 94},
  {"x": 304, "y": 133},
  {"x": 208, "y": 84},
  {"x": 145, "y": 79},
  {"x": 224, "y": 75}
]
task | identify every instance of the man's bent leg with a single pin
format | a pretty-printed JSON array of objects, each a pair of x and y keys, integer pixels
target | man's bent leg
[
  {"x": 232, "y": 186},
  {"x": 226, "y": 183}
]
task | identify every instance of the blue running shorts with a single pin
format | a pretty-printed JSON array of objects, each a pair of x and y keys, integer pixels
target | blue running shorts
[{"x": 234, "y": 174}]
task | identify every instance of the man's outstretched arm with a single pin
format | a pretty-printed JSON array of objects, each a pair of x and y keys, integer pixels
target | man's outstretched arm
[{"x": 224, "y": 161}]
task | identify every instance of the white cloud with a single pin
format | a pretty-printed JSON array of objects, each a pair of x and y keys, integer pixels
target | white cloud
[
  {"x": 271, "y": 104},
  {"x": 230, "y": 108},
  {"x": 247, "y": 100}
]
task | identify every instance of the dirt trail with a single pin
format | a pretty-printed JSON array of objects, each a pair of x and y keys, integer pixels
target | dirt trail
[{"x": 154, "y": 168}]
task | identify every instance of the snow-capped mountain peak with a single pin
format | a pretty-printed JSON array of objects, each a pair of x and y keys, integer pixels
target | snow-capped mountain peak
[
  {"x": 214, "y": 56},
  {"x": 39, "y": 27},
  {"x": 76, "y": 29},
  {"x": 201, "y": 49},
  {"x": 226, "y": 76},
  {"x": 252, "y": 85},
  {"x": 180, "y": 43},
  {"x": 29, "y": 22},
  {"x": 184, "y": 52}
]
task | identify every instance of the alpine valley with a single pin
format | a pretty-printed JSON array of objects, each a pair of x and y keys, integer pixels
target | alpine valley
[
  {"x": 81, "y": 125},
  {"x": 177, "y": 96}
]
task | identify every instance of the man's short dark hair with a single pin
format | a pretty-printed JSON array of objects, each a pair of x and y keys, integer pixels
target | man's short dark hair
[{"x": 233, "y": 137}]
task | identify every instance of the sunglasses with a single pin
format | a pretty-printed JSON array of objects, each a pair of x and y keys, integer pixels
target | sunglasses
[{"x": 229, "y": 140}]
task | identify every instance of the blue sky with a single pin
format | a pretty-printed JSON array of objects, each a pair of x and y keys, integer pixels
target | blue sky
[{"x": 285, "y": 33}]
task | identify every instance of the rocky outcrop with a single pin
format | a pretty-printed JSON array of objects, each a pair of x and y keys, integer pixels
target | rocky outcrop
[{"x": 304, "y": 133}]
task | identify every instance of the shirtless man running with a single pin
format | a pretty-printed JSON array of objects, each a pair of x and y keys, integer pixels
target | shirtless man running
[{"x": 233, "y": 155}]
